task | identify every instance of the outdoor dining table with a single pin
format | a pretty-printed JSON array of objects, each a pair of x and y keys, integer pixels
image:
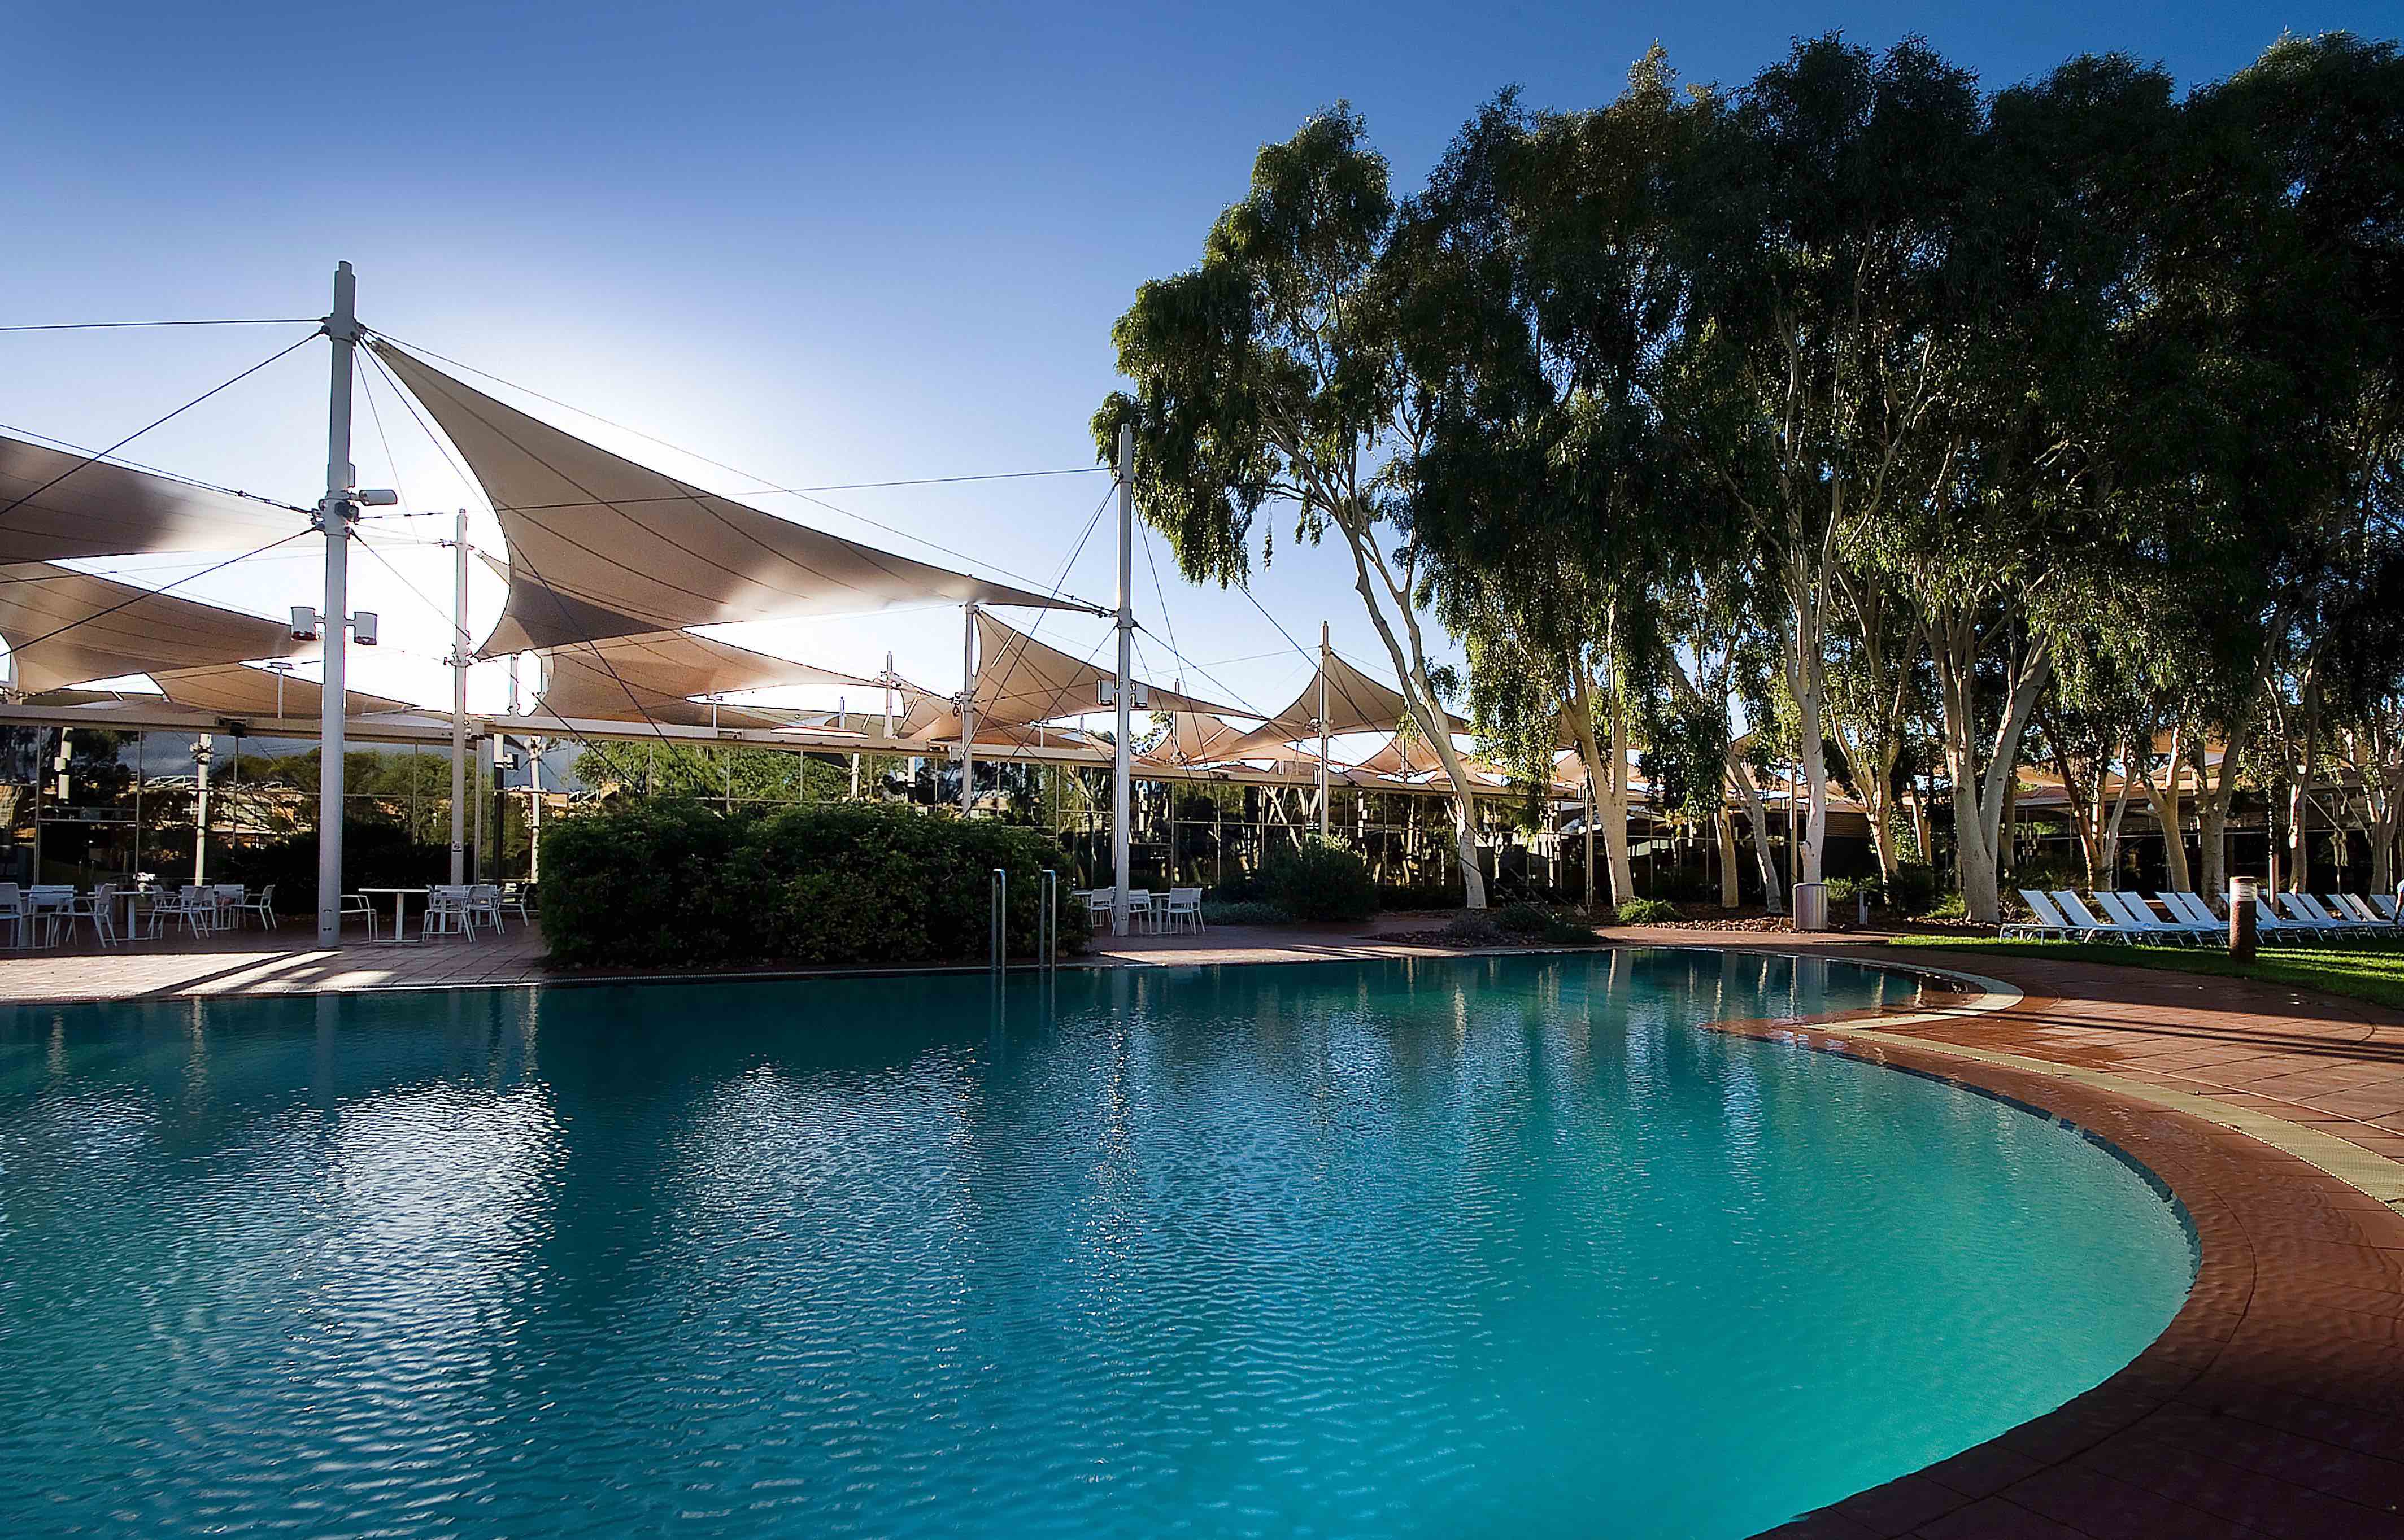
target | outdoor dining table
[{"x": 400, "y": 910}]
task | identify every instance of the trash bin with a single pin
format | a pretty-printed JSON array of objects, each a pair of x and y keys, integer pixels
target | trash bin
[{"x": 1810, "y": 906}]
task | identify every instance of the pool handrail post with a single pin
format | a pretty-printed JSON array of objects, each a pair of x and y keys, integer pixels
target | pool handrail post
[
  {"x": 1121, "y": 768},
  {"x": 998, "y": 928}
]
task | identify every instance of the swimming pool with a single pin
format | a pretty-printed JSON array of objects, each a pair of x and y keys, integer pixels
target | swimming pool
[{"x": 1451, "y": 1246}]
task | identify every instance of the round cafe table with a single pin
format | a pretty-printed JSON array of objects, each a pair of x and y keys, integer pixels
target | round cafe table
[{"x": 400, "y": 910}]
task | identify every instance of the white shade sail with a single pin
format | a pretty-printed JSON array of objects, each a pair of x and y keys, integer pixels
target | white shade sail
[
  {"x": 237, "y": 689},
  {"x": 62, "y": 506},
  {"x": 600, "y": 546},
  {"x": 64, "y": 627},
  {"x": 1355, "y": 703},
  {"x": 652, "y": 677},
  {"x": 1020, "y": 680},
  {"x": 1193, "y": 738}
]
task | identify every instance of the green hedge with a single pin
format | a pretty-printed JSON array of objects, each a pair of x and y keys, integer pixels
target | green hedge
[
  {"x": 665, "y": 882},
  {"x": 1323, "y": 880}
]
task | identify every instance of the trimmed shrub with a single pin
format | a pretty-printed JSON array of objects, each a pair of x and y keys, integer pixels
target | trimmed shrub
[
  {"x": 669, "y": 883},
  {"x": 641, "y": 885},
  {"x": 1523, "y": 920},
  {"x": 1322, "y": 880},
  {"x": 1645, "y": 912},
  {"x": 1244, "y": 911},
  {"x": 1475, "y": 930}
]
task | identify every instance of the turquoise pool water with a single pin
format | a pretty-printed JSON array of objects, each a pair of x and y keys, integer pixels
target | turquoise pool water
[{"x": 1453, "y": 1247}]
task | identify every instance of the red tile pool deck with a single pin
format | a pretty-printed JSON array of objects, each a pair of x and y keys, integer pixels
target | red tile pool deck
[{"x": 2273, "y": 1404}]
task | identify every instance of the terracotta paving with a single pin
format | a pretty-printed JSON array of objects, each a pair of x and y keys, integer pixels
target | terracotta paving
[{"x": 2272, "y": 1405}]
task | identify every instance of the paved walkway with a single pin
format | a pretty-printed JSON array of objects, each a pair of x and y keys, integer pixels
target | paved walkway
[{"x": 2272, "y": 1405}]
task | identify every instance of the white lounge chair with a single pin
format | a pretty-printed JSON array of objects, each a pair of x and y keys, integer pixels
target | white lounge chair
[
  {"x": 2385, "y": 904},
  {"x": 2077, "y": 914},
  {"x": 2336, "y": 908},
  {"x": 2047, "y": 925},
  {"x": 2269, "y": 925},
  {"x": 2303, "y": 910},
  {"x": 2191, "y": 907},
  {"x": 2139, "y": 916}
]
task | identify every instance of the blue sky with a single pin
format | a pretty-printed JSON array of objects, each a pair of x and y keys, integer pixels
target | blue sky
[{"x": 826, "y": 243}]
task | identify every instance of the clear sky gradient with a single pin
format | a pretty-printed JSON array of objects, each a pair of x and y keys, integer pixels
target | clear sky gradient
[{"x": 826, "y": 243}]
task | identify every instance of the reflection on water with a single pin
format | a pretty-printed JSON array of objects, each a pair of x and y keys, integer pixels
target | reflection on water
[{"x": 1489, "y": 1245}]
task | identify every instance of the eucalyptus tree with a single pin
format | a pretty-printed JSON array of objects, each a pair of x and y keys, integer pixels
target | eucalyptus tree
[
  {"x": 1267, "y": 373},
  {"x": 2318, "y": 126},
  {"x": 1804, "y": 378},
  {"x": 1530, "y": 290},
  {"x": 2020, "y": 504}
]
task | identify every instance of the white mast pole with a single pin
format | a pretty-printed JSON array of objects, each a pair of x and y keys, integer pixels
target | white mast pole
[
  {"x": 1122, "y": 767},
  {"x": 459, "y": 699},
  {"x": 1324, "y": 778},
  {"x": 334, "y": 516},
  {"x": 888, "y": 683},
  {"x": 968, "y": 705}
]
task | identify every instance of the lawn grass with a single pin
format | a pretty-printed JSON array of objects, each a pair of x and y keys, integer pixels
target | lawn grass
[{"x": 2372, "y": 971}]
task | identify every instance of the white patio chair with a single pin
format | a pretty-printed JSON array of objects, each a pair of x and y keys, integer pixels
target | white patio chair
[
  {"x": 448, "y": 913},
  {"x": 99, "y": 905},
  {"x": 1097, "y": 908},
  {"x": 362, "y": 906},
  {"x": 513, "y": 899},
  {"x": 197, "y": 907},
  {"x": 2077, "y": 914},
  {"x": 15, "y": 912},
  {"x": 1184, "y": 904},
  {"x": 1140, "y": 906},
  {"x": 2047, "y": 924},
  {"x": 229, "y": 904},
  {"x": 49, "y": 903},
  {"x": 484, "y": 906},
  {"x": 262, "y": 906}
]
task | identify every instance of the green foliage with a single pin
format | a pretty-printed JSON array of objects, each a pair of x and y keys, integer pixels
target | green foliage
[
  {"x": 1527, "y": 923},
  {"x": 1323, "y": 880},
  {"x": 644, "y": 885},
  {"x": 670, "y": 882},
  {"x": 1914, "y": 889},
  {"x": 1244, "y": 911},
  {"x": 1645, "y": 912},
  {"x": 375, "y": 854},
  {"x": 2372, "y": 973},
  {"x": 1475, "y": 930}
]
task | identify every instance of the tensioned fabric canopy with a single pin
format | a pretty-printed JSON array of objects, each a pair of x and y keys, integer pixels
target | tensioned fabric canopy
[
  {"x": 1020, "y": 680},
  {"x": 651, "y": 677},
  {"x": 600, "y": 546},
  {"x": 64, "y": 626},
  {"x": 237, "y": 689},
  {"x": 1191, "y": 739},
  {"x": 1355, "y": 703},
  {"x": 75, "y": 506}
]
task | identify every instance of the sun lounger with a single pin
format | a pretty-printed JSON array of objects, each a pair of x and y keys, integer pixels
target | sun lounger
[
  {"x": 2385, "y": 904},
  {"x": 2077, "y": 913},
  {"x": 2139, "y": 916},
  {"x": 2047, "y": 925},
  {"x": 2304, "y": 909}
]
